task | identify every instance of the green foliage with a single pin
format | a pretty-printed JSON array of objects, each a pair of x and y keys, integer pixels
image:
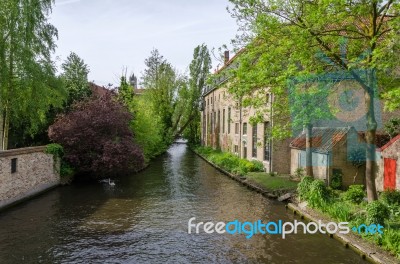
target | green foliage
[
  {"x": 318, "y": 194},
  {"x": 66, "y": 170},
  {"x": 303, "y": 189},
  {"x": 354, "y": 194},
  {"x": 147, "y": 127},
  {"x": 161, "y": 81},
  {"x": 55, "y": 149},
  {"x": 313, "y": 191},
  {"x": 257, "y": 165},
  {"x": 392, "y": 127},
  {"x": 391, "y": 241},
  {"x": 336, "y": 181},
  {"x": 377, "y": 213},
  {"x": 125, "y": 91},
  {"x": 229, "y": 161},
  {"x": 75, "y": 76},
  {"x": 390, "y": 197},
  {"x": 28, "y": 85},
  {"x": 299, "y": 173},
  {"x": 339, "y": 211},
  {"x": 187, "y": 113}
]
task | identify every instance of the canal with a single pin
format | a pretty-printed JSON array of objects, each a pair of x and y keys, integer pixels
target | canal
[{"x": 143, "y": 219}]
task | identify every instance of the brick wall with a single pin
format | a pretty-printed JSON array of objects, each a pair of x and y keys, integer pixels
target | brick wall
[
  {"x": 35, "y": 171},
  {"x": 391, "y": 152}
]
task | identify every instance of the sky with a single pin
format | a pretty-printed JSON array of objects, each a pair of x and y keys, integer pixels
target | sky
[{"x": 110, "y": 35}]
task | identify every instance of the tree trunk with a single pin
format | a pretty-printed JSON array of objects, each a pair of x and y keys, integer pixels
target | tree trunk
[
  {"x": 1, "y": 129},
  {"x": 5, "y": 130},
  {"x": 309, "y": 167},
  {"x": 370, "y": 138}
]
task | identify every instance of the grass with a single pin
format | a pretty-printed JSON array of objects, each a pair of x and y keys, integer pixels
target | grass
[
  {"x": 272, "y": 183},
  {"x": 252, "y": 170}
]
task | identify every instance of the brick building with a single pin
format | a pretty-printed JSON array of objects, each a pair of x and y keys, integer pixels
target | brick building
[
  {"x": 226, "y": 126},
  {"x": 330, "y": 153},
  {"x": 388, "y": 159}
]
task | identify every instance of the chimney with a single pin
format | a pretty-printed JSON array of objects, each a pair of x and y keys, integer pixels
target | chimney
[{"x": 226, "y": 56}]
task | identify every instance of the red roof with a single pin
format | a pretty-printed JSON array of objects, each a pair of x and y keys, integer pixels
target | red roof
[
  {"x": 389, "y": 143},
  {"x": 323, "y": 139},
  {"x": 98, "y": 90}
]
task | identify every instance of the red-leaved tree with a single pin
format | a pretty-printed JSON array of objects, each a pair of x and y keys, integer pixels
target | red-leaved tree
[{"x": 97, "y": 139}]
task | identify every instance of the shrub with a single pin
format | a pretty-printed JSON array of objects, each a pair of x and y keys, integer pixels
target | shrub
[
  {"x": 257, "y": 166},
  {"x": 55, "y": 149},
  {"x": 391, "y": 241},
  {"x": 299, "y": 173},
  {"x": 336, "y": 181},
  {"x": 97, "y": 139},
  {"x": 318, "y": 194},
  {"x": 303, "y": 187},
  {"x": 66, "y": 170},
  {"x": 391, "y": 197},
  {"x": 354, "y": 194},
  {"x": 377, "y": 212},
  {"x": 339, "y": 211}
]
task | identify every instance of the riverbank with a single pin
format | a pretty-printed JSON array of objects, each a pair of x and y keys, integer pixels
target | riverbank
[
  {"x": 269, "y": 186},
  {"x": 364, "y": 248}
]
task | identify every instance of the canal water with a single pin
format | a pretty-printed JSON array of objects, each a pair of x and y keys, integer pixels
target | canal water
[{"x": 143, "y": 219}]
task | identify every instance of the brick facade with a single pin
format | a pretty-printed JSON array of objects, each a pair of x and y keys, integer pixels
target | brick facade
[{"x": 33, "y": 171}]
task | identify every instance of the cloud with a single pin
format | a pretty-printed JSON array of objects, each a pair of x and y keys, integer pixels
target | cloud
[{"x": 66, "y": 2}]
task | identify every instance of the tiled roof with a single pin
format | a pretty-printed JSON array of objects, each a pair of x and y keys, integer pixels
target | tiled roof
[
  {"x": 396, "y": 138},
  {"x": 323, "y": 138},
  {"x": 381, "y": 139}
]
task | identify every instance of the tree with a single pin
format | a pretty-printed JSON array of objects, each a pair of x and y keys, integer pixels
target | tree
[
  {"x": 160, "y": 78},
  {"x": 187, "y": 114},
  {"x": 28, "y": 87},
  {"x": 97, "y": 139},
  {"x": 392, "y": 127},
  {"x": 75, "y": 75},
  {"x": 297, "y": 30}
]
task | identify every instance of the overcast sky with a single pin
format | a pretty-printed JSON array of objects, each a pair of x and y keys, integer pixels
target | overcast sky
[{"x": 112, "y": 34}]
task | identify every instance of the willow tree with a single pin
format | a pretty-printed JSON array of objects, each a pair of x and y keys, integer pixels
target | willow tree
[
  {"x": 28, "y": 86},
  {"x": 284, "y": 38}
]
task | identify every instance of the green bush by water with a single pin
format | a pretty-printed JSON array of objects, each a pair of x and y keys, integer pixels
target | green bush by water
[
  {"x": 354, "y": 194},
  {"x": 377, "y": 213},
  {"x": 230, "y": 162}
]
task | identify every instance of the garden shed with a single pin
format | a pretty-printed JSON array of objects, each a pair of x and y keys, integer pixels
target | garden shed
[{"x": 331, "y": 152}]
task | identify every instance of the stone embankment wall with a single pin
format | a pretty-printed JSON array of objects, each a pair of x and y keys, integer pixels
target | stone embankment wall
[{"x": 26, "y": 172}]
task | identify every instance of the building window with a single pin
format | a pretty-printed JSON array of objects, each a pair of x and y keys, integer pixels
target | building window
[
  {"x": 208, "y": 101},
  {"x": 219, "y": 121},
  {"x": 245, "y": 151},
  {"x": 244, "y": 128},
  {"x": 215, "y": 122},
  {"x": 210, "y": 120},
  {"x": 236, "y": 150},
  {"x": 267, "y": 98},
  {"x": 236, "y": 128},
  {"x": 254, "y": 143},
  {"x": 14, "y": 165},
  {"x": 267, "y": 141},
  {"x": 223, "y": 121},
  {"x": 211, "y": 100},
  {"x": 229, "y": 120}
]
